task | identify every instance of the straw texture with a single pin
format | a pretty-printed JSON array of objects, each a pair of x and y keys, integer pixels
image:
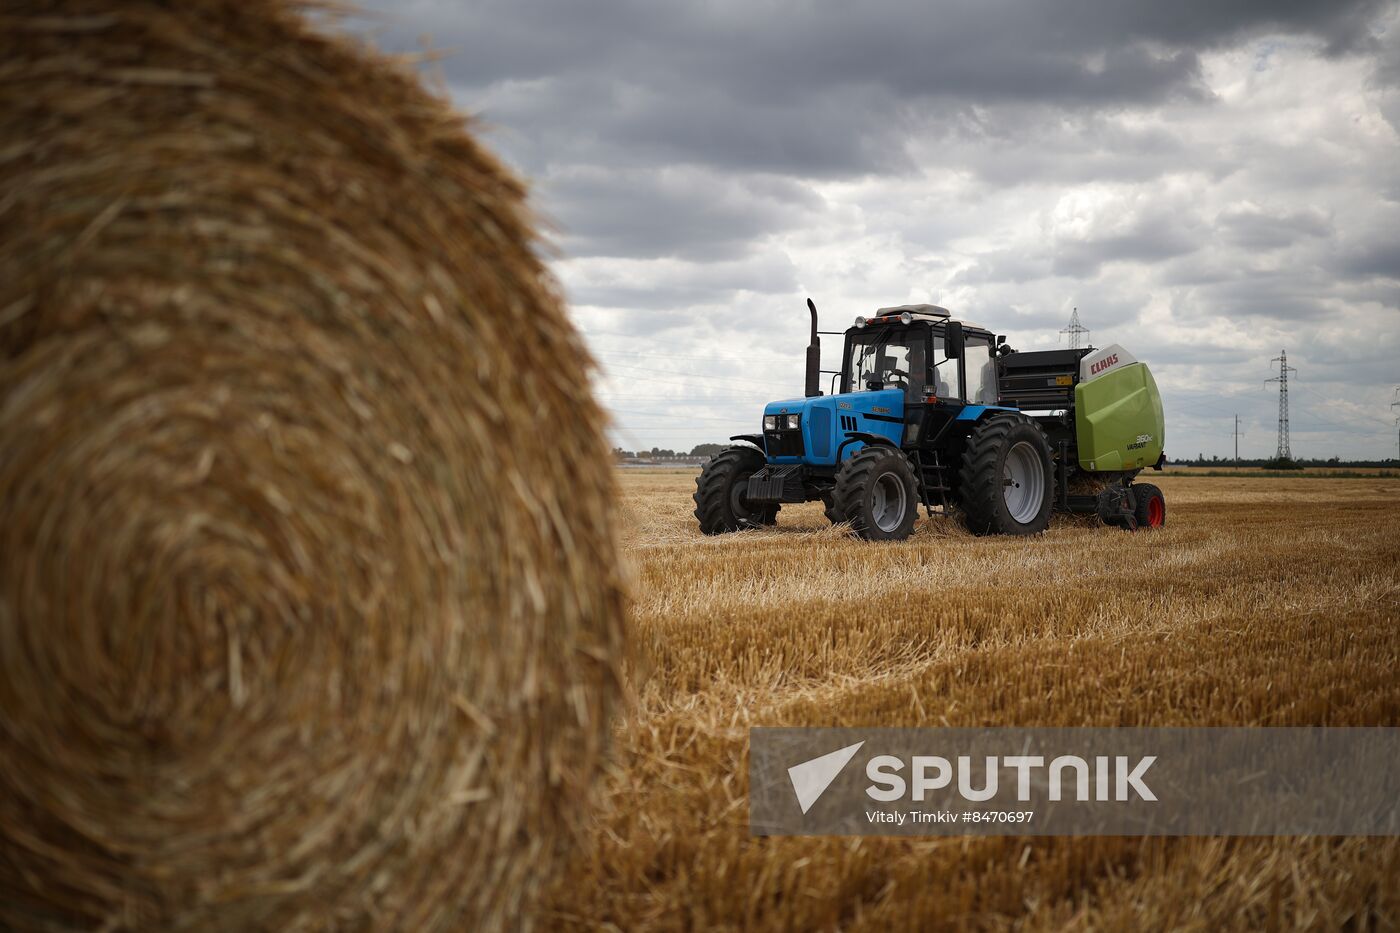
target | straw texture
[{"x": 309, "y": 608}]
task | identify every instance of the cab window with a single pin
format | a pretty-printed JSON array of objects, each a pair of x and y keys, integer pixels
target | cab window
[
  {"x": 945, "y": 371},
  {"x": 981, "y": 371},
  {"x": 892, "y": 356}
]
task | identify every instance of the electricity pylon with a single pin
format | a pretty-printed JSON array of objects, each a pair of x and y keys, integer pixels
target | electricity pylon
[
  {"x": 1284, "y": 451},
  {"x": 1074, "y": 329}
]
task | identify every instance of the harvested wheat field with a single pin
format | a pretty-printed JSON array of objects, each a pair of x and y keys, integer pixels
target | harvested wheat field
[{"x": 1264, "y": 602}]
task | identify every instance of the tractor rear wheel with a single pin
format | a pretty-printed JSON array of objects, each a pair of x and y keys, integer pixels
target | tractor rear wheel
[
  {"x": 1007, "y": 477},
  {"x": 877, "y": 493},
  {"x": 721, "y": 501},
  {"x": 1151, "y": 506}
]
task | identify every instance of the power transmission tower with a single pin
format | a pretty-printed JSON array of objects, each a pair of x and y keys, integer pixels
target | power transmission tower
[
  {"x": 1284, "y": 452},
  {"x": 1238, "y": 432},
  {"x": 1396, "y": 404},
  {"x": 1074, "y": 329}
]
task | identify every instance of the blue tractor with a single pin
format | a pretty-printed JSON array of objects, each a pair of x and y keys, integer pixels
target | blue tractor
[{"x": 943, "y": 415}]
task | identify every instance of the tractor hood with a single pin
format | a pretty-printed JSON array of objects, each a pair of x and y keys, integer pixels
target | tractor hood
[
  {"x": 790, "y": 405},
  {"x": 825, "y": 421}
]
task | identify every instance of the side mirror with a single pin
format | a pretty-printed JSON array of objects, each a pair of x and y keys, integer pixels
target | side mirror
[{"x": 953, "y": 340}]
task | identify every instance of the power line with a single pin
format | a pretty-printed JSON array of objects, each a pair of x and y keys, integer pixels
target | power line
[
  {"x": 698, "y": 376},
  {"x": 690, "y": 399},
  {"x": 717, "y": 358},
  {"x": 663, "y": 417},
  {"x": 1351, "y": 417}
]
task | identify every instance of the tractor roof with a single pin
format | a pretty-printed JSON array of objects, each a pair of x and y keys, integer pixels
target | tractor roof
[
  {"x": 919, "y": 311},
  {"x": 928, "y": 313}
]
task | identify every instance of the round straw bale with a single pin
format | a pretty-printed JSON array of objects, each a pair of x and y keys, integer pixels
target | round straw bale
[{"x": 309, "y": 607}]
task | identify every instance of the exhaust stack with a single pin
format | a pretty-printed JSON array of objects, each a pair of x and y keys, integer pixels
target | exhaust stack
[{"x": 814, "y": 356}]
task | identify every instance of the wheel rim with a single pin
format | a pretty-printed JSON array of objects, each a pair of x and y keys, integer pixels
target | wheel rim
[
  {"x": 739, "y": 496},
  {"x": 1155, "y": 512},
  {"x": 888, "y": 502},
  {"x": 1024, "y": 482}
]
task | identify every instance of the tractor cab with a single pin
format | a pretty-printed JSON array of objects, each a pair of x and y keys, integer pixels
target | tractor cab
[
  {"x": 919, "y": 350},
  {"x": 904, "y": 374}
]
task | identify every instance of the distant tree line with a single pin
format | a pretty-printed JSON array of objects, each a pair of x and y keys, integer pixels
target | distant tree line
[
  {"x": 1266, "y": 463},
  {"x": 1273, "y": 463},
  {"x": 663, "y": 453}
]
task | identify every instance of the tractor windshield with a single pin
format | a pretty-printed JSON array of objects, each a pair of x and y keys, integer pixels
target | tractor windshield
[{"x": 892, "y": 356}]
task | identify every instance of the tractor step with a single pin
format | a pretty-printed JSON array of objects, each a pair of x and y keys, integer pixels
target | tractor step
[{"x": 932, "y": 482}]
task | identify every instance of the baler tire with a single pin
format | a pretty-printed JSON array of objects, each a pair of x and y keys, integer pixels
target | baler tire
[
  {"x": 718, "y": 506},
  {"x": 1150, "y": 506},
  {"x": 982, "y": 476},
  {"x": 856, "y": 492}
]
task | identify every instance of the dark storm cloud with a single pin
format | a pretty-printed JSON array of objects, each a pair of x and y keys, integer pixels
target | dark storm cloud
[
  {"x": 1152, "y": 236},
  {"x": 1148, "y": 233},
  {"x": 1376, "y": 259},
  {"x": 1253, "y": 228},
  {"x": 1006, "y": 266},
  {"x": 779, "y": 53},
  {"x": 827, "y": 89},
  {"x": 658, "y": 286},
  {"x": 1031, "y": 144},
  {"x": 1344, "y": 27},
  {"x": 594, "y": 97},
  {"x": 655, "y": 212},
  {"x": 1292, "y": 299},
  {"x": 1209, "y": 179}
]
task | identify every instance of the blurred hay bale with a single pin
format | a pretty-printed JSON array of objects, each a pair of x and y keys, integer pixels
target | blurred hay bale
[{"x": 309, "y": 612}]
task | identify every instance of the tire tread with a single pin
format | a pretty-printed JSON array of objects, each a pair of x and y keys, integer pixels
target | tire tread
[
  {"x": 980, "y": 482},
  {"x": 852, "y": 481},
  {"x": 712, "y": 490}
]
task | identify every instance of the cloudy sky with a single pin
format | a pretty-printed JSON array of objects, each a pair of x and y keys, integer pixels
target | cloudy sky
[{"x": 1208, "y": 182}]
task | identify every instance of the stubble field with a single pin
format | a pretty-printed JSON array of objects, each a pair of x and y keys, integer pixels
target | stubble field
[{"x": 1265, "y": 602}]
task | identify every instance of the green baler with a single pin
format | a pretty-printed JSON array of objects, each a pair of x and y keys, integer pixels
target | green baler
[
  {"x": 1102, "y": 413},
  {"x": 1118, "y": 419}
]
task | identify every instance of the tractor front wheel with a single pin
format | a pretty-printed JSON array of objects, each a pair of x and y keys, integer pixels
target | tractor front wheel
[
  {"x": 1007, "y": 477},
  {"x": 877, "y": 493},
  {"x": 721, "y": 500}
]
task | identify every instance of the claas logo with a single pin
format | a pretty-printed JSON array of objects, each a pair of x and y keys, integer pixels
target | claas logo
[{"x": 1103, "y": 364}]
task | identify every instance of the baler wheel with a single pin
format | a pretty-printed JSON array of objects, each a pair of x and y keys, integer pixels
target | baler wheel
[{"x": 1151, "y": 505}]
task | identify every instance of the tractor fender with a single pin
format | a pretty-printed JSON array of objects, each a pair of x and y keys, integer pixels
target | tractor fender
[
  {"x": 754, "y": 439},
  {"x": 978, "y": 412},
  {"x": 865, "y": 437},
  {"x": 870, "y": 438}
]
